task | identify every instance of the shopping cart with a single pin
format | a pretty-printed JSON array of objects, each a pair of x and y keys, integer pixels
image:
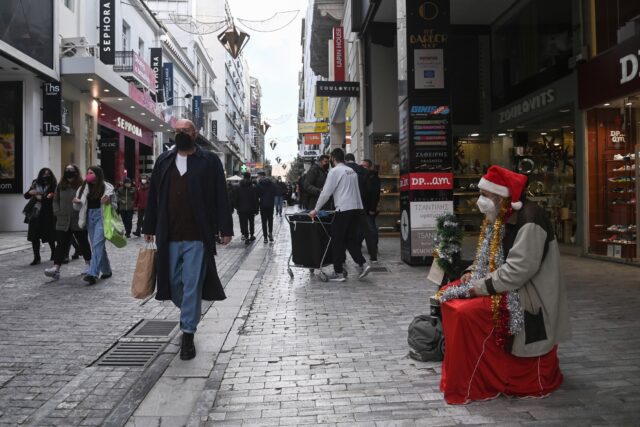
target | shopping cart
[{"x": 310, "y": 242}]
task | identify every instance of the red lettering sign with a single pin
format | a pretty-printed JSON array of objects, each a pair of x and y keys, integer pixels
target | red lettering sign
[
  {"x": 312, "y": 139},
  {"x": 338, "y": 54},
  {"x": 427, "y": 181}
]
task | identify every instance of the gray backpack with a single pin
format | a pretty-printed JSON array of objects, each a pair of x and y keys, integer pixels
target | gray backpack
[{"x": 426, "y": 340}]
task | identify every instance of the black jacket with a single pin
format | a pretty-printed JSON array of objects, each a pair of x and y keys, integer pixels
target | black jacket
[
  {"x": 210, "y": 206},
  {"x": 282, "y": 189},
  {"x": 313, "y": 182},
  {"x": 267, "y": 193},
  {"x": 245, "y": 199},
  {"x": 373, "y": 191},
  {"x": 362, "y": 180}
]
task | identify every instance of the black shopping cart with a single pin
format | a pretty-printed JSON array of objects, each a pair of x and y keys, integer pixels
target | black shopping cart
[{"x": 310, "y": 242}]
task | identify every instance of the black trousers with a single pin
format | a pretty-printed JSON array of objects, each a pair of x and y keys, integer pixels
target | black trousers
[
  {"x": 366, "y": 233},
  {"x": 127, "y": 219},
  {"x": 140, "y": 221},
  {"x": 247, "y": 224},
  {"x": 266, "y": 215},
  {"x": 63, "y": 242},
  {"x": 344, "y": 236}
]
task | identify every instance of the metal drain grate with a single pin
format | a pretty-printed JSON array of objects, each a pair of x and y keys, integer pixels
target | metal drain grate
[
  {"x": 154, "y": 328},
  {"x": 379, "y": 269},
  {"x": 137, "y": 354}
]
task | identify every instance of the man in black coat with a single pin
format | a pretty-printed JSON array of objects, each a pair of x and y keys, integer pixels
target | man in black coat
[
  {"x": 187, "y": 207},
  {"x": 245, "y": 201},
  {"x": 372, "y": 188},
  {"x": 364, "y": 230},
  {"x": 267, "y": 192},
  {"x": 314, "y": 181}
]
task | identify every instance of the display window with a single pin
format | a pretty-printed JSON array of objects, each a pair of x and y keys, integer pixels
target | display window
[{"x": 613, "y": 150}]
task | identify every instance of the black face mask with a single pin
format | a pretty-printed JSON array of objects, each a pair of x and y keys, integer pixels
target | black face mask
[
  {"x": 70, "y": 174},
  {"x": 183, "y": 142},
  {"x": 325, "y": 166}
]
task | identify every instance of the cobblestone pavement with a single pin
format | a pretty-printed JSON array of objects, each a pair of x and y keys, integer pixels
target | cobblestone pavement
[
  {"x": 51, "y": 332},
  {"x": 313, "y": 353}
]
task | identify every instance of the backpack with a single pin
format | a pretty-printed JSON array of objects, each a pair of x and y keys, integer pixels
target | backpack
[{"x": 426, "y": 340}]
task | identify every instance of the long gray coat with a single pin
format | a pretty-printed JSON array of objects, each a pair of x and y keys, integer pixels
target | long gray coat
[
  {"x": 210, "y": 204},
  {"x": 66, "y": 215},
  {"x": 532, "y": 267}
]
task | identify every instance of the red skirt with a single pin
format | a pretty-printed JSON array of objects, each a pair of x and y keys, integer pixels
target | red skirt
[{"x": 475, "y": 368}]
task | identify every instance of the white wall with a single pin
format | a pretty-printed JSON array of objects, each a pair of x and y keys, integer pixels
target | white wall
[{"x": 384, "y": 84}]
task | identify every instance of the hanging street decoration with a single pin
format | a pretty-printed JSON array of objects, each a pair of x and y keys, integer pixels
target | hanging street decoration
[
  {"x": 273, "y": 144},
  {"x": 278, "y": 160},
  {"x": 233, "y": 40},
  {"x": 284, "y": 166}
]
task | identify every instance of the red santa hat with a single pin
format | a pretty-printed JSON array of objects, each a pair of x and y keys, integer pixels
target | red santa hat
[{"x": 505, "y": 183}]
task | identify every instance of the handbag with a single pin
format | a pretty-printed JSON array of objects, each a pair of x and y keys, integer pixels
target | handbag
[
  {"x": 31, "y": 210},
  {"x": 113, "y": 227},
  {"x": 144, "y": 276}
]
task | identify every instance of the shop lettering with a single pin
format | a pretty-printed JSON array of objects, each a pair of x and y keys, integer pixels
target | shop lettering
[
  {"x": 106, "y": 27},
  {"x": 528, "y": 105},
  {"x": 6, "y": 186},
  {"x": 50, "y": 128},
  {"x": 430, "y": 109},
  {"x": 129, "y": 127},
  {"x": 629, "y": 68},
  {"x": 51, "y": 89},
  {"x": 617, "y": 137},
  {"x": 429, "y": 39},
  {"x": 434, "y": 181},
  {"x": 339, "y": 47}
]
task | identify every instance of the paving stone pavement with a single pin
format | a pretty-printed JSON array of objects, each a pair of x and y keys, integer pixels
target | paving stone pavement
[
  {"x": 335, "y": 354},
  {"x": 51, "y": 332}
]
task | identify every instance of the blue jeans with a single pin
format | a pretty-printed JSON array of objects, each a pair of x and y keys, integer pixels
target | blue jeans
[
  {"x": 278, "y": 201},
  {"x": 187, "y": 270},
  {"x": 99, "y": 259}
]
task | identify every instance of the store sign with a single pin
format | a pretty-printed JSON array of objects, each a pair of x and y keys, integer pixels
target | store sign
[
  {"x": 428, "y": 68},
  {"x": 322, "y": 108},
  {"x": 128, "y": 126},
  {"x": 143, "y": 72},
  {"x": 338, "y": 54},
  {"x": 425, "y": 214},
  {"x": 335, "y": 89},
  {"x": 528, "y": 105},
  {"x": 167, "y": 75},
  {"x": 313, "y": 127},
  {"x": 107, "y": 31},
  {"x": 309, "y": 153},
  {"x": 617, "y": 137},
  {"x": 196, "y": 107},
  {"x": 51, "y": 109},
  {"x": 629, "y": 68},
  {"x": 156, "y": 66},
  {"x": 312, "y": 139},
  {"x": 109, "y": 144},
  {"x": 426, "y": 181}
]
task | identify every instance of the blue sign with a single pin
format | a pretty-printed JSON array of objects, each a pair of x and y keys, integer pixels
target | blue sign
[
  {"x": 196, "y": 107},
  {"x": 167, "y": 76}
]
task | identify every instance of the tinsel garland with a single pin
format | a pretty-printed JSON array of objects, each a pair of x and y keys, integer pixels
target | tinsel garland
[{"x": 506, "y": 310}]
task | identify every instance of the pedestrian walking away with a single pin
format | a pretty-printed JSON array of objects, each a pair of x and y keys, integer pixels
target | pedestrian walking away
[
  {"x": 141, "y": 203},
  {"x": 90, "y": 197},
  {"x": 372, "y": 187},
  {"x": 188, "y": 206},
  {"x": 266, "y": 199},
  {"x": 39, "y": 213},
  {"x": 281, "y": 193},
  {"x": 67, "y": 227},
  {"x": 364, "y": 229},
  {"x": 314, "y": 181},
  {"x": 342, "y": 184},
  {"x": 504, "y": 318},
  {"x": 126, "y": 204},
  {"x": 245, "y": 201}
]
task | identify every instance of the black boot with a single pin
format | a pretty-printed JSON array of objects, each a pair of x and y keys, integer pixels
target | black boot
[
  {"x": 187, "y": 349},
  {"x": 36, "y": 253}
]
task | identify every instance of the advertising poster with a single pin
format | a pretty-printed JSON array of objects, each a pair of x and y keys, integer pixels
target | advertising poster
[
  {"x": 429, "y": 68},
  {"x": 10, "y": 137}
]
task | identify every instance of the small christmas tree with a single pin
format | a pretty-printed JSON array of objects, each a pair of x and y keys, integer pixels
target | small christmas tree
[{"x": 448, "y": 246}]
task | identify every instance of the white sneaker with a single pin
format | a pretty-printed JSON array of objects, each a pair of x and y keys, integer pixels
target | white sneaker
[
  {"x": 335, "y": 277},
  {"x": 363, "y": 270},
  {"x": 52, "y": 272}
]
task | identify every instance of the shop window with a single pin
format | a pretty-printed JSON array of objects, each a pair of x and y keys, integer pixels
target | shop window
[
  {"x": 614, "y": 148},
  {"x": 126, "y": 35},
  {"x": 27, "y": 25},
  {"x": 615, "y": 21}
]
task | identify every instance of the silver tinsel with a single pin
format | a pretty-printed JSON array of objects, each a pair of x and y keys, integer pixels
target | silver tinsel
[
  {"x": 516, "y": 317},
  {"x": 454, "y": 292}
]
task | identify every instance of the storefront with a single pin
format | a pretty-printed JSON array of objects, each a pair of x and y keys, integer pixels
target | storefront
[
  {"x": 535, "y": 136},
  {"x": 124, "y": 145},
  {"x": 612, "y": 126}
]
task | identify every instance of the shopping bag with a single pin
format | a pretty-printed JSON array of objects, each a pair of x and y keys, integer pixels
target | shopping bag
[
  {"x": 144, "y": 276},
  {"x": 113, "y": 227}
]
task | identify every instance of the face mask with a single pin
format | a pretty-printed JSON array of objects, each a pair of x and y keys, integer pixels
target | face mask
[
  {"x": 144, "y": 181},
  {"x": 127, "y": 185},
  {"x": 46, "y": 177},
  {"x": 325, "y": 166},
  {"x": 91, "y": 179},
  {"x": 487, "y": 207},
  {"x": 183, "y": 142},
  {"x": 70, "y": 174}
]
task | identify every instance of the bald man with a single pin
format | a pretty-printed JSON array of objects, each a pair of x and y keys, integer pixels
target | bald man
[{"x": 186, "y": 209}]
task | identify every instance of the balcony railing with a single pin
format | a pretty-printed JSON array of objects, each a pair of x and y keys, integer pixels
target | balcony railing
[
  {"x": 124, "y": 61},
  {"x": 135, "y": 69}
]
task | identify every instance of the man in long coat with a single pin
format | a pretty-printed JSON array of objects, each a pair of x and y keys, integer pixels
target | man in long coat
[{"x": 187, "y": 207}]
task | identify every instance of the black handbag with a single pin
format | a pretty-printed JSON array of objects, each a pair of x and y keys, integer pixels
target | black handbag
[{"x": 31, "y": 210}]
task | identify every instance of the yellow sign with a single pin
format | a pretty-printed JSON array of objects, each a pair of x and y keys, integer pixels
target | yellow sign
[
  {"x": 322, "y": 107},
  {"x": 313, "y": 127},
  {"x": 347, "y": 128}
]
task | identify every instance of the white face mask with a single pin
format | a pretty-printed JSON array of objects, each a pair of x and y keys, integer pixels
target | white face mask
[{"x": 487, "y": 207}]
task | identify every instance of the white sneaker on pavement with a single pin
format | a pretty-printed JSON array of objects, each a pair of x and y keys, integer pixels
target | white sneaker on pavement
[
  {"x": 52, "y": 272},
  {"x": 363, "y": 270},
  {"x": 336, "y": 277}
]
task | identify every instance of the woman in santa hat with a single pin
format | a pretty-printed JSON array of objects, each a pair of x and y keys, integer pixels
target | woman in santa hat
[{"x": 504, "y": 318}]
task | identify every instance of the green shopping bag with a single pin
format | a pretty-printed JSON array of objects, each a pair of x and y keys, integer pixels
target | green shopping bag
[{"x": 113, "y": 227}]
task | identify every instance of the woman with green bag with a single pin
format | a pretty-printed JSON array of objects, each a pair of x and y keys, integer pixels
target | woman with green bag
[{"x": 91, "y": 196}]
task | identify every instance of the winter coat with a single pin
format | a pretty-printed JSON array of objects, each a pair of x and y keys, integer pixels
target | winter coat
[
  {"x": 281, "y": 189},
  {"x": 532, "y": 267},
  {"x": 66, "y": 215},
  {"x": 210, "y": 206},
  {"x": 372, "y": 187},
  {"x": 82, "y": 206},
  {"x": 245, "y": 198},
  {"x": 313, "y": 182},
  {"x": 141, "y": 197},
  {"x": 42, "y": 227},
  {"x": 267, "y": 193},
  {"x": 362, "y": 180},
  {"x": 126, "y": 198}
]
